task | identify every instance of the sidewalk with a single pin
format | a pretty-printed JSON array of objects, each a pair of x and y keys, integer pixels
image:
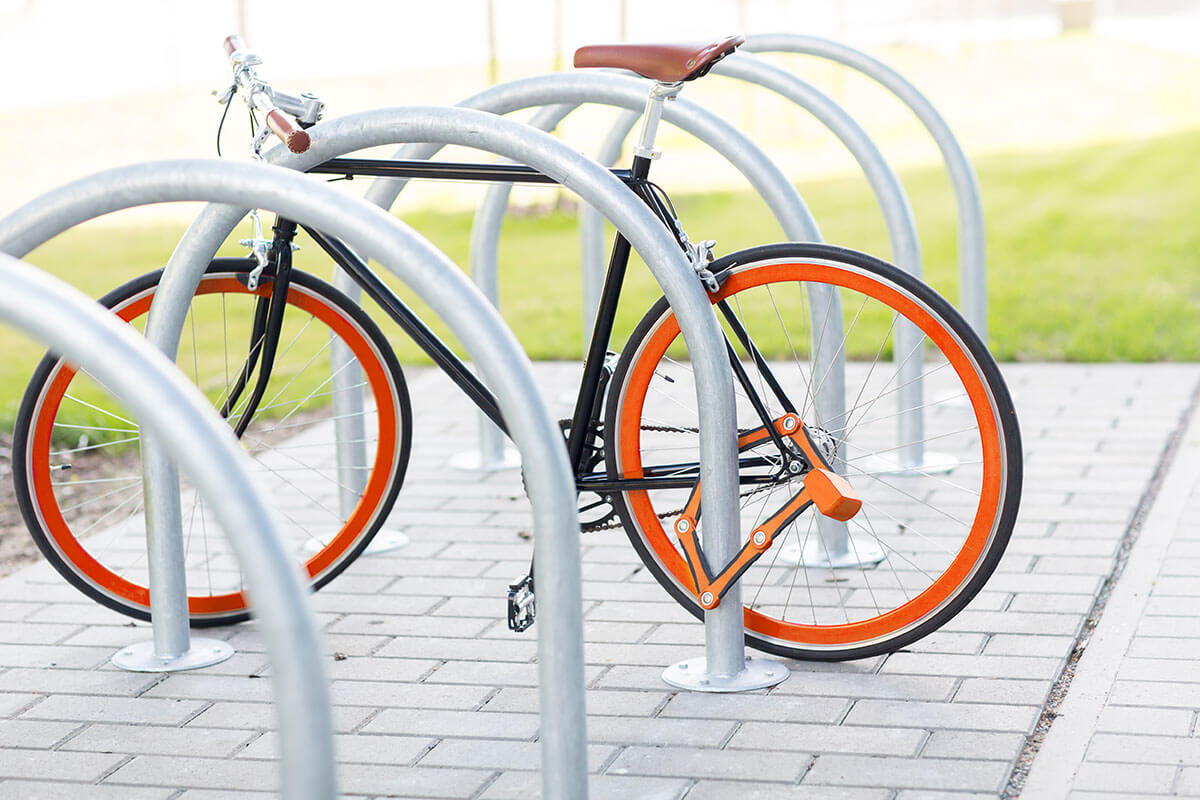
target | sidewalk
[
  {"x": 436, "y": 698},
  {"x": 1128, "y": 723}
]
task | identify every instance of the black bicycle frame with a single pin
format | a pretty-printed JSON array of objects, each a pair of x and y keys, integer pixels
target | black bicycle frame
[{"x": 588, "y": 405}]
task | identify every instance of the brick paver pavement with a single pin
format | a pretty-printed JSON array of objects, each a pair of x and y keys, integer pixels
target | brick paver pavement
[
  {"x": 1128, "y": 724},
  {"x": 436, "y": 698}
]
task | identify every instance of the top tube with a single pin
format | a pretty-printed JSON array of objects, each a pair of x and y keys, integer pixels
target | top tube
[{"x": 442, "y": 170}]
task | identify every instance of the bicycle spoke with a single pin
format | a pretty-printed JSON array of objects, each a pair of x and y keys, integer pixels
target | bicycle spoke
[
  {"x": 763, "y": 396},
  {"x": 101, "y": 410},
  {"x": 89, "y": 481},
  {"x": 841, "y": 349},
  {"x": 58, "y": 425},
  {"x": 305, "y": 468},
  {"x": 225, "y": 342},
  {"x": 887, "y": 556},
  {"x": 816, "y": 350},
  {"x": 899, "y": 554},
  {"x": 130, "y": 483},
  {"x": 870, "y": 371},
  {"x": 135, "y": 497},
  {"x": 812, "y": 602},
  {"x": 286, "y": 350},
  {"x": 926, "y": 440},
  {"x": 90, "y": 447},
  {"x": 327, "y": 418},
  {"x": 882, "y": 575},
  {"x": 881, "y": 395},
  {"x": 914, "y": 471},
  {"x": 912, "y": 410},
  {"x": 293, "y": 459},
  {"x": 787, "y": 337}
]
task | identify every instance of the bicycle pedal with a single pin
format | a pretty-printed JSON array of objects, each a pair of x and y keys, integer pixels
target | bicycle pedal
[{"x": 522, "y": 607}]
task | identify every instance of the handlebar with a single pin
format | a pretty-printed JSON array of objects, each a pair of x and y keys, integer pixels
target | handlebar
[
  {"x": 260, "y": 96},
  {"x": 233, "y": 43},
  {"x": 295, "y": 137}
]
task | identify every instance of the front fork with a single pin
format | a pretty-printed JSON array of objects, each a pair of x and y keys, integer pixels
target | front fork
[{"x": 265, "y": 329}]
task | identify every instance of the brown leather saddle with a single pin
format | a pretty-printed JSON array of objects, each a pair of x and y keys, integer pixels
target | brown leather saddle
[{"x": 669, "y": 63}]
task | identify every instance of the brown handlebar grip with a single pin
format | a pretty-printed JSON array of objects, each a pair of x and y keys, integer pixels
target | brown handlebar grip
[
  {"x": 295, "y": 138},
  {"x": 233, "y": 44}
]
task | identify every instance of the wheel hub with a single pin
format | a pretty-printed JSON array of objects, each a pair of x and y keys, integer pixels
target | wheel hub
[{"x": 825, "y": 442}]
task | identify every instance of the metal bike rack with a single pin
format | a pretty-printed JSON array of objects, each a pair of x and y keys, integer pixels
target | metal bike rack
[
  {"x": 833, "y": 547},
  {"x": 908, "y": 354},
  {"x": 494, "y": 453},
  {"x": 568, "y": 91},
  {"x": 906, "y": 249},
  {"x": 375, "y": 234},
  {"x": 560, "y": 651},
  {"x": 832, "y": 550},
  {"x": 191, "y": 432},
  {"x": 971, "y": 236},
  {"x": 724, "y": 634},
  {"x": 592, "y": 242},
  {"x": 564, "y": 93},
  {"x": 728, "y": 668},
  {"x": 781, "y": 197},
  {"x": 727, "y": 663}
]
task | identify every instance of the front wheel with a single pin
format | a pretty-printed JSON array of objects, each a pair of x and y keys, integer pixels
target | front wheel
[
  {"x": 76, "y": 459},
  {"x": 919, "y": 422}
]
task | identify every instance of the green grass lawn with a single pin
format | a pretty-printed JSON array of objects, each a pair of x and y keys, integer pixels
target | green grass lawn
[{"x": 1093, "y": 255}]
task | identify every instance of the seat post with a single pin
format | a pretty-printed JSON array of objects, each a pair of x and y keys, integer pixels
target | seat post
[{"x": 660, "y": 92}]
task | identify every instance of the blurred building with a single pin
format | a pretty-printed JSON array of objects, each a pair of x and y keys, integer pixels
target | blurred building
[{"x": 80, "y": 50}]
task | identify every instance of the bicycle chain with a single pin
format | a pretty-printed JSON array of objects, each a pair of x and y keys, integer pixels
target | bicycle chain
[{"x": 676, "y": 512}]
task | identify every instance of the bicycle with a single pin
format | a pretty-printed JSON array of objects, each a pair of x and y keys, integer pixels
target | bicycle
[{"x": 632, "y": 438}]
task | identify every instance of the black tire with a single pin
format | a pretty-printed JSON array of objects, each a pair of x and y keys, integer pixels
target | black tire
[
  {"x": 930, "y": 568},
  {"x": 286, "y": 437}
]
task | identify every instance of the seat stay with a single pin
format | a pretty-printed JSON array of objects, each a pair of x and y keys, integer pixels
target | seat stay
[{"x": 739, "y": 330}]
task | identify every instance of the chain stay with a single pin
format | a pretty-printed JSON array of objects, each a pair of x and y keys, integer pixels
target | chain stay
[{"x": 676, "y": 512}]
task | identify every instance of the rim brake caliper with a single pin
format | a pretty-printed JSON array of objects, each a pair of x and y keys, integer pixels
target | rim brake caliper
[
  {"x": 259, "y": 247},
  {"x": 701, "y": 255}
]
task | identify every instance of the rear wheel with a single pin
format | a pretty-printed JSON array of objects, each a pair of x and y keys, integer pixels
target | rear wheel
[
  {"x": 78, "y": 471},
  {"x": 939, "y": 498}
]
